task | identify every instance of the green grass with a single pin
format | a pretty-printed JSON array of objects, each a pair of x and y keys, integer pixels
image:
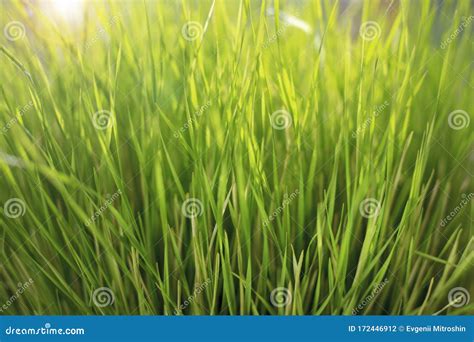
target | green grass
[{"x": 367, "y": 123}]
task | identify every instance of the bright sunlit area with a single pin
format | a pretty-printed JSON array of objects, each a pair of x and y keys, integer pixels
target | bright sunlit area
[
  {"x": 71, "y": 11},
  {"x": 250, "y": 158}
]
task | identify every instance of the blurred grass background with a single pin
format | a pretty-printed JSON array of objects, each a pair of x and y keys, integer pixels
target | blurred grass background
[{"x": 185, "y": 92}]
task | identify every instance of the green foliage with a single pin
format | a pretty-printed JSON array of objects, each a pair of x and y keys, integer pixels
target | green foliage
[{"x": 314, "y": 159}]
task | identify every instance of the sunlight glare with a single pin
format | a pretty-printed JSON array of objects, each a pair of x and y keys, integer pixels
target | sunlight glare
[{"x": 70, "y": 11}]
